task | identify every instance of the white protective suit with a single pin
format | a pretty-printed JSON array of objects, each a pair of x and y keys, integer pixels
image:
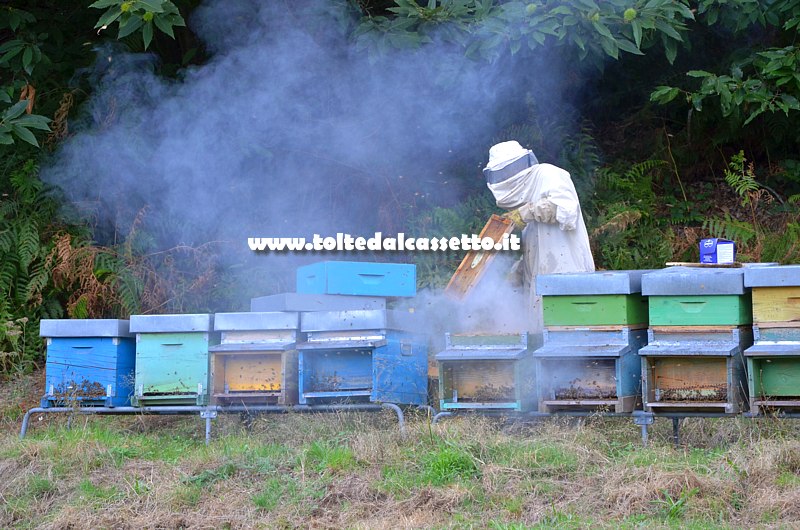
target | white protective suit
[{"x": 554, "y": 239}]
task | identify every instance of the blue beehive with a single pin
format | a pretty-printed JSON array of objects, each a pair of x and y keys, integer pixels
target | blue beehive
[
  {"x": 699, "y": 329},
  {"x": 354, "y": 356},
  {"x": 172, "y": 359},
  {"x": 584, "y": 367},
  {"x": 89, "y": 362},
  {"x": 358, "y": 278}
]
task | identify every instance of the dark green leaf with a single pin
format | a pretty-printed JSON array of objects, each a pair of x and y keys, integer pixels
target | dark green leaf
[
  {"x": 164, "y": 25},
  {"x": 627, "y": 46},
  {"x": 26, "y": 135},
  {"x": 27, "y": 58},
  {"x": 33, "y": 121},
  {"x": 147, "y": 34},
  {"x": 636, "y": 26},
  {"x": 108, "y": 17},
  {"x": 153, "y": 6},
  {"x": 129, "y": 26},
  {"x": 102, "y": 4},
  {"x": 16, "y": 110}
]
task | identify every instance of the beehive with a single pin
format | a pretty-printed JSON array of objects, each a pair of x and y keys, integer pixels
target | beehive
[
  {"x": 594, "y": 326},
  {"x": 256, "y": 359},
  {"x": 89, "y": 363},
  {"x": 773, "y": 362},
  {"x": 358, "y": 278},
  {"x": 172, "y": 359},
  {"x": 352, "y": 356},
  {"x": 315, "y": 302},
  {"x": 486, "y": 372},
  {"x": 698, "y": 333}
]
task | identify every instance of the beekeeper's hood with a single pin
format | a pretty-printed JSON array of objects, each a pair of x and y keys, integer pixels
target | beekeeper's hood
[{"x": 506, "y": 159}]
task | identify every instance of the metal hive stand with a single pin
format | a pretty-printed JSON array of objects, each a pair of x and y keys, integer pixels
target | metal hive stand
[{"x": 208, "y": 413}]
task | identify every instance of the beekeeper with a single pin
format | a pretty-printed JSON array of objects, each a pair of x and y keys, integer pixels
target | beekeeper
[{"x": 543, "y": 202}]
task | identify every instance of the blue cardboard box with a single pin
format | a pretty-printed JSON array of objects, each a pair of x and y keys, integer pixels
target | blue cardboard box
[
  {"x": 358, "y": 278},
  {"x": 717, "y": 250}
]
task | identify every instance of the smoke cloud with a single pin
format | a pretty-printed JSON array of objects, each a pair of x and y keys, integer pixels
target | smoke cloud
[{"x": 288, "y": 130}]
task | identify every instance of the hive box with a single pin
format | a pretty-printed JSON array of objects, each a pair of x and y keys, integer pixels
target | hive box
[
  {"x": 486, "y": 372},
  {"x": 773, "y": 362},
  {"x": 609, "y": 298},
  {"x": 594, "y": 327},
  {"x": 314, "y": 302},
  {"x": 89, "y": 362},
  {"x": 699, "y": 329},
  {"x": 256, "y": 360},
  {"x": 172, "y": 359},
  {"x": 352, "y": 356},
  {"x": 717, "y": 251},
  {"x": 686, "y": 296},
  {"x": 358, "y": 278}
]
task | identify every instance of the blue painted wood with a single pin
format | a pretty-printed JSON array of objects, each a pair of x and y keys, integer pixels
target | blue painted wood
[
  {"x": 590, "y": 283},
  {"x": 315, "y": 302},
  {"x": 358, "y": 278},
  {"x": 394, "y": 370},
  {"x": 90, "y": 371},
  {"x": 589, "y": 369},
  {"x": 692, "y": 281},
  {"x": 782, "y": 276}
]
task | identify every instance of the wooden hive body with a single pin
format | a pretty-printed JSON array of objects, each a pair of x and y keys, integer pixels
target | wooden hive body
[
  {"x": 89, "y": 363},
  {"x": 773, "y": 362},
  {"x": 594, "y": 327},
  {"x": 256, "y": 359},
  {"x": 486, "y": 372},
  {"x": 172, "y": 359},
  {"x": 352, "y": 356}
]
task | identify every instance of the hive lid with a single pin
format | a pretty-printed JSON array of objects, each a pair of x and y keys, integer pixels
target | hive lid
[
  {"x": 692, "y": 349},
  {"x": 252, "y": 346},
  {"x": 256, "y": 321},
  {"x": 590, "y": 283},
  {"x": 782, "y": 276},
  {"x": 171, "y": 323},
  {"x": 358, "y": 320},
  {"x": 784, "y": 348},
  {"x": 693, "y": 281},
  {"x": 558, "y": 349},
  {"x": 315, "y": 302},
  {"x": 84, "y": 328},
  {"x": 341, "y": 344},
  {"x": 481, "y": 354}
]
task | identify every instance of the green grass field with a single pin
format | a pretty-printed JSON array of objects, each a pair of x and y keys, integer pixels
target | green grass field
[{"x": 357, "y": 471}]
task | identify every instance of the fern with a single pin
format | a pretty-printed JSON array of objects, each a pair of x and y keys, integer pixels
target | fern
[
  {"x": 740, "y": 177},
  {"x": 728, "y": 228}
]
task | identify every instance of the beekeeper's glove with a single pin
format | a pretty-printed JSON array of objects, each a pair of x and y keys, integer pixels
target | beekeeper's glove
[
  {"x": 544, "y": 211},
  {"x": 516, "y": 217}
]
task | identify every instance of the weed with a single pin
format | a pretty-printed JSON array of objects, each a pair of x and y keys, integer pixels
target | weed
[
  {"x": 447, "y": 464},
  {"x": 210, "y": 476},
  {"x": 330, "y": 456},
  {"x": 672, "y": 508}
]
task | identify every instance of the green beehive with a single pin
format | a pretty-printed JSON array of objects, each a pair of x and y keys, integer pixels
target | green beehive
[
  {"x": 610, "y": 298},
  {"x": 680, "y": 296}
]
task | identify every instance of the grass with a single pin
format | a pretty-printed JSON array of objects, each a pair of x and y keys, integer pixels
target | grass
[{"x": 356, "y": 471}]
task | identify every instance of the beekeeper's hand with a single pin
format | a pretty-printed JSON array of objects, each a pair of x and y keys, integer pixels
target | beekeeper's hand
[
  {"x": 543, "y": 211},
  {"x": 516, "y": 217}
]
